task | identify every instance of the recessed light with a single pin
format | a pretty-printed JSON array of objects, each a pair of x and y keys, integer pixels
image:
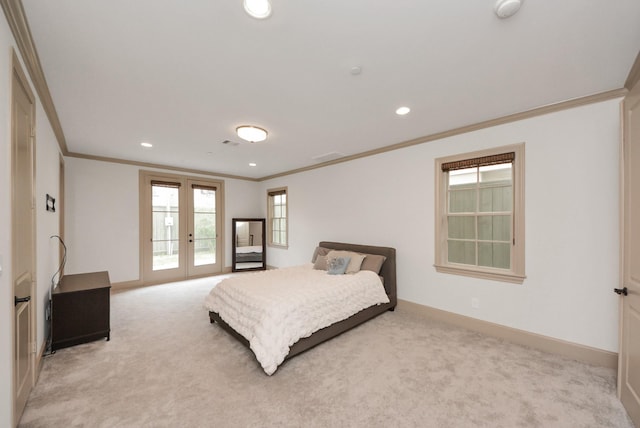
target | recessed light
[
  {"x": 401, "y": 111},
  {"x": 253, "y": 164},
  {"x": 146, "y": 145},
  {"x": 507, "y": 8},
  {"x": 259, "y": 9}
]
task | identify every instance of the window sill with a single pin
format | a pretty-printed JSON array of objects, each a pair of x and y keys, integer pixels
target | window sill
[
  {"x": 482, "y": 274},
  {"x": 282, "y": 247}
]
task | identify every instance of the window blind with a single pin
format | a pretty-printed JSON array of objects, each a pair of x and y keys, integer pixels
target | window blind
[
  {"x": 201, "y": 187},
  {"x": 481, "y": 161},
  {"x": 159, "y": 183}
]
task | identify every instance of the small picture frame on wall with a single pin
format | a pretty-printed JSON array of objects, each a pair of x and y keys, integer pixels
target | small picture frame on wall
[{"x": 51, "y": 203}]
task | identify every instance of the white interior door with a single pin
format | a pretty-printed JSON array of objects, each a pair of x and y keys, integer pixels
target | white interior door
[
  {"x": 629, "y": 363},
  {"x": 23, "y": 239}
]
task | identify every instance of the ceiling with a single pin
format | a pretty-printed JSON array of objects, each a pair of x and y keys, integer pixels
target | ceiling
[{"x": 183, "y": 75}]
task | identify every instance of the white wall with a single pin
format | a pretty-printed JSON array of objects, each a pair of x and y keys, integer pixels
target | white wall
[
  {"x": 102, "y": 219},
  {"x": 571, "y": 223},
  {"x": 47, "y": 223},
  {"x": 47, "y": 170}
]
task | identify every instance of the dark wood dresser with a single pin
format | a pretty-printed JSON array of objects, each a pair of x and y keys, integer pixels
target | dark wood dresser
[{"x": 80, "y": 309}]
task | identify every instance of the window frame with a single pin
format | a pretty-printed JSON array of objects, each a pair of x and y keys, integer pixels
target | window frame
[
  {"x": 270, "y": 194},
  {"x": 516, "y": 274}
]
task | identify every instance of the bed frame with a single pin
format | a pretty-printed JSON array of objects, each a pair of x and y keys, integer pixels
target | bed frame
[{"x": 387, "y": 272}]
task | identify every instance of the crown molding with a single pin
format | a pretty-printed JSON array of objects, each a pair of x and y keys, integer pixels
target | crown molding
[
  {"x": 539, "y": 111},
  {"x": 158, "y": 166},
  {"x": 17, "y": 21},
  {"x": 634, "y": 74}
]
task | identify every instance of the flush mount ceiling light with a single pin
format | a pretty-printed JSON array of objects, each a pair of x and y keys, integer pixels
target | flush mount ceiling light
[
  {"x": 401, "y": 111},
  {"x": 507, "y": 8},
  {"x": 259, "y": 9},
  {"x": 253, "y": 134},
  {"x": 146, "y": 145}
]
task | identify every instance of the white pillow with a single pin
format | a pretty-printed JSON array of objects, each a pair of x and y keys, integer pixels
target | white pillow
[{"x": 354, "y": 263}]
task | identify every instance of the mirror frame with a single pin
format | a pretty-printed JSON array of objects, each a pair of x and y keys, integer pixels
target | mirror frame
[{"x": 234, "y": 222}]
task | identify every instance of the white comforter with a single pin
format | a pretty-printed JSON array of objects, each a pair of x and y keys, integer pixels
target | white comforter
[{"x": 274, "y": 309}]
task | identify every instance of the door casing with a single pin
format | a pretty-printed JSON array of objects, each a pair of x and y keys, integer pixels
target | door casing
[
  {"x": 147, "y": 275},
  {"x": 23, "y": 180}
]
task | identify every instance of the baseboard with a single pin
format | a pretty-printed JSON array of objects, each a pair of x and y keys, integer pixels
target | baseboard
[
  {"x": 39, "y": 360},
  {"x": 572, "y": 350},
  {"x": 127, "y": 284}
]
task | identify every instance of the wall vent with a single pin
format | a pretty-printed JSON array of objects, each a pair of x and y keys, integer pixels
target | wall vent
[
  {"x": 328, "y": 157},
  {"x": 230, "y": 143}
]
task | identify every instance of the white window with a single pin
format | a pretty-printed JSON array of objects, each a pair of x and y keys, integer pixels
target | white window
[
  {"x": 277, "y": 217},
  {"x": 480, "y": 214}
]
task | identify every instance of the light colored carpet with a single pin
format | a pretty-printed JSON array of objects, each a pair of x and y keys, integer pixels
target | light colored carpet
[{"x": 167, "y": 366}]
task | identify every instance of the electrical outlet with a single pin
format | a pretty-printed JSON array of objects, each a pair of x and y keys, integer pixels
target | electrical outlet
[{"x": 475, "y": 303}]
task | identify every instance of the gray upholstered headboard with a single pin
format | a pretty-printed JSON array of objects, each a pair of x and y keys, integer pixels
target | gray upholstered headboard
[{"x": 388, "y": 271}]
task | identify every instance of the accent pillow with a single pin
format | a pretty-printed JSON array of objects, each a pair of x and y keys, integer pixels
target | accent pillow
[
  {"x": 319, "y": 251},
  {"x": 337, "y": 265},
  {"x": 373, "y": 262},
  {"x": 320, "y": 263},
  {"x": 356, "y": 259}
]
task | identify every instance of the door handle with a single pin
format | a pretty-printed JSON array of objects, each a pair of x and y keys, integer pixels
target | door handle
[
  {"x": 621, "y": 291},
  {"x": 17, "y": 300}
]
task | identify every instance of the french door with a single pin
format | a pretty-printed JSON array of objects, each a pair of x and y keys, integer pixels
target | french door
[{"x": 181, "y": 226}]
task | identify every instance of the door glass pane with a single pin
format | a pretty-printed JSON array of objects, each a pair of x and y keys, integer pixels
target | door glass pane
[
  {"x": 166, "y": 225},
  {"x": 204, "y": 226}
]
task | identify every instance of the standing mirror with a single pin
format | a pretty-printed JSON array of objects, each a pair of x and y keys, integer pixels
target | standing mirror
[{"x": 249, "y": 247}]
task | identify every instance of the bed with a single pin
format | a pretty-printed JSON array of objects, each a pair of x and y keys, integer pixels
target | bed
[{"x": 220, "y": 311}]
